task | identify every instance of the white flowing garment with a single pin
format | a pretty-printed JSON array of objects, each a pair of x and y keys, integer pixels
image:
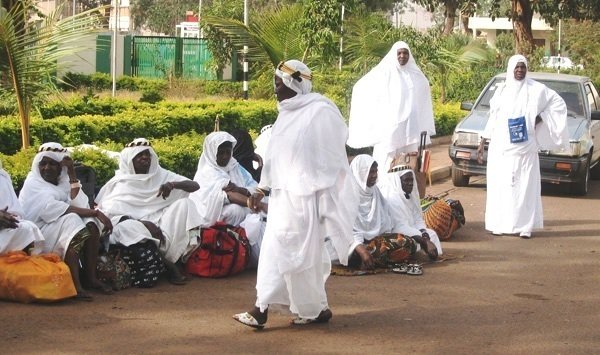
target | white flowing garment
[
  {"x": 26, "y": 232},
  {"x": 45, "y": 204},
  {"x": 373, "y": 215},
  {"x": 406, "y": 212},
  {"x": 135, "y": 195},
  {"x": 514, "y": 203},
  {"x": 210, "y": 200},
  {"x": 311, "y": 198},
  {"x": 391, "y": 105}
]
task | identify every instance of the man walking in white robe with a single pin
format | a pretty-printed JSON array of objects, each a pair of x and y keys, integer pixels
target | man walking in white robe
[
  {"x": 524, "y": 116},
  {"x": 311, "y": 197}
]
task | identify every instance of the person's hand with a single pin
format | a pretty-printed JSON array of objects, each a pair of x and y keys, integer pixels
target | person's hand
[
  {"x": 253, "y": 202},
  {"x": 165, "y": 190},
  {"x": 67, "y": 162},
  {"x": 230, "y": 187},
  {"x": 154, "y": 230},
  {"x": 365, "y": 256},
  {"x": 8, "y": 220},
  {"x": 108, "y": 227}
]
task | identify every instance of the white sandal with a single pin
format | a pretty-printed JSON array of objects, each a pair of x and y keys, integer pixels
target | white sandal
[
  {"x": 247, "y": 319},
  {"x": 415, "y": 269}
]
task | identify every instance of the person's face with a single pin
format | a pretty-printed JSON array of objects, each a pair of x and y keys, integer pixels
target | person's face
[
  {"x": 407, "y": 182},
  {"x": 372, "y": 178},
  {"x": 224, "y": 153},
  {"x": 141, "y": 162},
  {"x": 281, "y": 91},
  {"x": 50, "y": 170},
  {"x": 520, "y": 71},
  {"x": 403, "y": 54}
]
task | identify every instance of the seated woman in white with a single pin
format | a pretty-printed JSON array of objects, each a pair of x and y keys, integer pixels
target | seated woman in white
[
  {"x": 225, "y": 185},
  {"x": 399, "y": 190},
  {"x": 52, "y": 198},
  {"x": 15, "y": 232}
]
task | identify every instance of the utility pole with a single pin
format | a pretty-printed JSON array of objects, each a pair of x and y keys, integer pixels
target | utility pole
[
  {"x": 245, "y": 77},
  {"x": 114, "y": 50},
  {"x": 341, "y": 40}
]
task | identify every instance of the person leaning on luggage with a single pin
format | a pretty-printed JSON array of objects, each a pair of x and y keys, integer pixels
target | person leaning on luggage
[{"x": 52, "y": 198}]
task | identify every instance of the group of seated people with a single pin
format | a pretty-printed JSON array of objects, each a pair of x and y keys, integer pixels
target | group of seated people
[{"x": 144, "y": 201}]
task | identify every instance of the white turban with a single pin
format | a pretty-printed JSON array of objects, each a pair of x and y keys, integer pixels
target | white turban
[{"x": 295, "y": 75}]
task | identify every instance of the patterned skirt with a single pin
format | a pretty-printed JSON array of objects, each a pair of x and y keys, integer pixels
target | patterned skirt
[{"x": 387, "y": 250}]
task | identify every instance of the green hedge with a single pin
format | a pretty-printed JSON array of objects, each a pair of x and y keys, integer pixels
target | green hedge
[
  {"x": 447, "y": 117},
  {"x": 147, "y": 120}
]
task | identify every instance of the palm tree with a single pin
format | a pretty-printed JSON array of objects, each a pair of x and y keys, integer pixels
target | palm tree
[{"x": 30, "y": 45}]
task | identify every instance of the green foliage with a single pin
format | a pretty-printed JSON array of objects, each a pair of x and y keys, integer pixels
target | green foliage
[
  {"x": 446, "y": 117},
  {"x": 151, "y": 96},
  {"x": 142, "y": 120},
  {"x": 102, "y": 81}
]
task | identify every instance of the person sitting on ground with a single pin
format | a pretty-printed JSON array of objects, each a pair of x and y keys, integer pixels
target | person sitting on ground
[
  {"x": 15, "y": 232},
  {"x": 243, "y": 152},
  {"x": 52, "y": 198},
  {"x": 374, "y": 221},
  {"x": 226, "y": 185},
  {"x": 398, "y": 189},
  {"x": 155, "y": 198}
]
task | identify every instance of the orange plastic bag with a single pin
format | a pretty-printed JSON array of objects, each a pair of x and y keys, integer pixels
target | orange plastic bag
[{"x": 41, "y": 278}]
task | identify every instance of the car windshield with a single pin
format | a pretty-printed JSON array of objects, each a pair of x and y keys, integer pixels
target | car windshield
[{"x": 568, "y": 91}]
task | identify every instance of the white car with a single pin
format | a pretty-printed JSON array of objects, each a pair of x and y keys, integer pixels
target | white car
[{"x": 556, "y": 62}]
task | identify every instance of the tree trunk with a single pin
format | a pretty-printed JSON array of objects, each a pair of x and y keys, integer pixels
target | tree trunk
[
  {"x": 465, "y": 21},
  {"x": 450, "y": 12},
  {"x": 522, "y": 15}
]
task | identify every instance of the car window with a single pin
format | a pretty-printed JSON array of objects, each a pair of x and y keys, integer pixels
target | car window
[
  {"x": 570, "y": 92},
  {"x": 592, "y": 95}
]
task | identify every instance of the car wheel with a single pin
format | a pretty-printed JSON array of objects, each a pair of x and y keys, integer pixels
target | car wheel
[
  {"x": 595, "y": 172},
  {"x": 580, "y": 188},
  {"x": 459, "y": 178}
]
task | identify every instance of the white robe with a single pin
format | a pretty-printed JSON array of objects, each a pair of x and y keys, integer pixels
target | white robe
[
  {"x": 406, "y": 213},
  {"x": 210, "y": 200},
  {"x": 135, "y": 195},
  {"x": 514, "y": 202},
  {"x": 26, "y": 232},
  {"x": 391, "y": 105},
  {"x": 311, "y": 198},
  {"x": 45, "y": 204}
]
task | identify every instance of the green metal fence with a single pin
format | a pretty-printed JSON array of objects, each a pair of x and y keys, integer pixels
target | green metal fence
[{"x": 161, "y": 57}]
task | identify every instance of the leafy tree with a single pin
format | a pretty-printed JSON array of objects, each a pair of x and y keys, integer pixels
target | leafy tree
[
  {"x": 160, "y": 16},
  {"x": 29, "y": 51},
  {"x": 450, "y": 8}
]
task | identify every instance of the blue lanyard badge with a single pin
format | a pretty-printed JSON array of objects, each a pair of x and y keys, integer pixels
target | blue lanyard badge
[{"x": 517, "y": 129}]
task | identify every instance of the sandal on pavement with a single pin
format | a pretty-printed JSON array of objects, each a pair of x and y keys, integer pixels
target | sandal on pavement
[
  {"x": 415, "y": 269},
  {"x": 247, "y": 319},
  {"x": 83, "y": 296},
  {"x": 400, "y": 269},
  {"x": 323, "y": 317}
]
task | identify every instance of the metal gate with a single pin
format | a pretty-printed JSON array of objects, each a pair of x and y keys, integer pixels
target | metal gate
[{"x": 162, "y": 57}]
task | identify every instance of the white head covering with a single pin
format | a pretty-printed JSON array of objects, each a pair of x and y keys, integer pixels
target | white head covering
[
  {"x": 402, "y": 208},
  {"x": 373, "y": 216},
  {"x": 295, "y": 75},
  {"x": 8, "y": 198},
  {"x": 212, "y": 178},
  {"x": 510, "y": 70},
  {"x": 135, "y": 195},
  {"x": 391, "y": 105},
  {"x": 37, "y": 192}
]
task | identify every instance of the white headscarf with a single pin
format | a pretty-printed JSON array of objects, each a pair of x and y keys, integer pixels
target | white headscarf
[
  {"x": 8, "y": 198},
  {"x": 37, "y": 194},
  {"x": 295, "y": 75},
  {"x": 212, "y": 178},
  {"x": 405, "y": 210},
  {"x": 373, "y": 216},
  {"x": 391, "y": 104},
  {"x": 135, "y": 195}
]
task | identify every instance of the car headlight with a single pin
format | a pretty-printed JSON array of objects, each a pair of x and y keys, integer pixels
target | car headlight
[{"x": 468, "y": 139}]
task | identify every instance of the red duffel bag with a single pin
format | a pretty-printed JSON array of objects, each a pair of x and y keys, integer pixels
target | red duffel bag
[{"x": 224, "y": 250}]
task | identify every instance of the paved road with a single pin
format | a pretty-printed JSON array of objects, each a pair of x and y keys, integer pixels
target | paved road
[{"x": 494, "y": 296}]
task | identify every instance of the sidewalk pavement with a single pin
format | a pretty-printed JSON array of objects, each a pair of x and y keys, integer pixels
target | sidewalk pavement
[{"x": 440, "y": 162}]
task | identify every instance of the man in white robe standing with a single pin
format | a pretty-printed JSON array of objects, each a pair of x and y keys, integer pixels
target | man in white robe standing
[
  {"x": 525, "y": 116},
  {"x": 391, "y": 105},
  {"x": 145, "y": 201},
  {"x": 311, "y": 197},
  {"x": 15, "y": 232}
]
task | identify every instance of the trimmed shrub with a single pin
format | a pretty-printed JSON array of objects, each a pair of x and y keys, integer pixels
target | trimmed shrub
[{"x": 447, "y": 117}]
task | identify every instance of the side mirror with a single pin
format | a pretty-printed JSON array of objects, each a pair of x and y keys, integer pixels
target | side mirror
[
  {"x": 466, "y": 106},
  {"x": 596, "y": 115}
]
